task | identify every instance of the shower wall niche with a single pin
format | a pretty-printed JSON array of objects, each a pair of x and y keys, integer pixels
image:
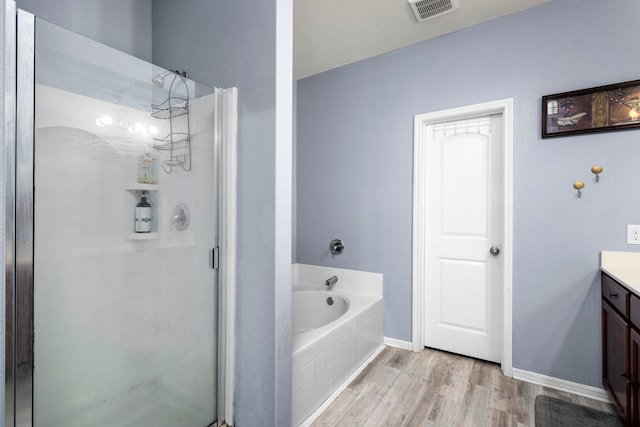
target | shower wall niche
[{"x": 124, "y": 322}]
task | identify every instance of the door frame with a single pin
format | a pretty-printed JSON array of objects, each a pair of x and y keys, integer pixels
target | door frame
[{"x": 420, "y": 213}]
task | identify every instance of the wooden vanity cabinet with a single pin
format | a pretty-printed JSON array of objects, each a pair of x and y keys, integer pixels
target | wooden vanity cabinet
[
  {"x": 634, "y": 364},
  {"x": 621, "y": 348},
  {"x": 615, "y": 333}
]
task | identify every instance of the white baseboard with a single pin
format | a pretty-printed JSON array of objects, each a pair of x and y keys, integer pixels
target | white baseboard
[
  {"x": 343, "y": 386},
  {"x": 392, "y": 342},
  {"x": 562, "y": 385}
]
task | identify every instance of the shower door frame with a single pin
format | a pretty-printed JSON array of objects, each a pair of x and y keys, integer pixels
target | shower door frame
[
  {"x": 9, "y": 192},
  {"x": 19, "y": 140},
  {"x": 18, "y": 135}
]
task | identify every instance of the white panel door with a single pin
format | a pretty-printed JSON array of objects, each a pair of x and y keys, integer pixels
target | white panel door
[{"x": 463, "y": 286}]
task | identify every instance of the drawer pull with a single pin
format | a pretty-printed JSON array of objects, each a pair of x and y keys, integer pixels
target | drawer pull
[{"x": 612, "y": 295}]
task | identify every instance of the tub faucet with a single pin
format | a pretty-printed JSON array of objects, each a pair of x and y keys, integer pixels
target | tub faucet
[{"x": 331, "y": 281}]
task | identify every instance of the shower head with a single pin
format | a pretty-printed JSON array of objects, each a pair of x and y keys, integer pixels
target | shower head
[{"x": 158, "y": 80}]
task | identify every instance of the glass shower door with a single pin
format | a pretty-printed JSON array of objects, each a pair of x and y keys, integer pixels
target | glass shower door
[{"x": 124, "y": 297}]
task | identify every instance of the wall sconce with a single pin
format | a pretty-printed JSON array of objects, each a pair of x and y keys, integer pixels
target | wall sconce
[
  {"x": 597, "y": 170},
  {"x": 578, "y": 185}
]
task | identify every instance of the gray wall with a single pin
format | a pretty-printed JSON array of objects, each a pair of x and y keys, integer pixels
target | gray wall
[
  {"x": 121, "y": 24},
  {"x": 354, "y": 167},
  {"x": 228, "y": 44}
]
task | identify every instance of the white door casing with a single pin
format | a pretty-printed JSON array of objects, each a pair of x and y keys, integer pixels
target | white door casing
[{"x": 461, "y": 293}]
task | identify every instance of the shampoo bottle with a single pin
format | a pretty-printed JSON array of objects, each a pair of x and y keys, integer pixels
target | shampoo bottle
[
  {"x": 146, "y": 169},
  {"x": 143, "y": 215}
]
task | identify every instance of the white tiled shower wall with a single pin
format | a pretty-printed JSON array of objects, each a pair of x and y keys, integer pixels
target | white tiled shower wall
[{"x": 320, "y": 368}]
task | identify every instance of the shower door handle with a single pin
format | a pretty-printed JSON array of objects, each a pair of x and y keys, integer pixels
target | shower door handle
[{"x": 214, "y": 258}]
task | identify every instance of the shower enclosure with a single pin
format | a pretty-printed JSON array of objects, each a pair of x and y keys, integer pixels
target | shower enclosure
[{"x": 107, "y": 326}]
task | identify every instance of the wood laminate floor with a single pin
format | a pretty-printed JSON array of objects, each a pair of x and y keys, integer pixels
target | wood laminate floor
[{"x": 435, "y": 388}]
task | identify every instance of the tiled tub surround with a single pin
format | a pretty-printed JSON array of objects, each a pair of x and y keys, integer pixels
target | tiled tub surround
[{"x": 326, "y": 357}]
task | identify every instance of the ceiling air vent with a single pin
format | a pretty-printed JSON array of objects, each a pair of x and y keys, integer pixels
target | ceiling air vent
[{"x": 426, "y": 9}]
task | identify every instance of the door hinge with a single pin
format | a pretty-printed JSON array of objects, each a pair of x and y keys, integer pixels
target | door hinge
[{"x": 214, "y": 258}]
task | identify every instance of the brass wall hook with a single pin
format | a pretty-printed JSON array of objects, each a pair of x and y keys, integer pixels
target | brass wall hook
[
  {"x": 578, "y": 185},
  {"x": 597, "y": 170}
]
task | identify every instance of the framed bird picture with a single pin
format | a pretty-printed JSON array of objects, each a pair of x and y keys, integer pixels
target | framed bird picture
[{"x": 598, "y": 109}]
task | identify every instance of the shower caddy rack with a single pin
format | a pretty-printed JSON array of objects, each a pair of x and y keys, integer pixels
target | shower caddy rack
[{"x": 175, "y": 109}]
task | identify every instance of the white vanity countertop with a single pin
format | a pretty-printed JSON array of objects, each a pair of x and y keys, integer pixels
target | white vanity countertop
[{"x": 622, "y": 266}]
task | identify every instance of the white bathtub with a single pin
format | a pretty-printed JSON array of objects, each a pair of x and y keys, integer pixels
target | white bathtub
[
  {"x": 313, "y": 309},
  {"x": 329, "y": 342}
]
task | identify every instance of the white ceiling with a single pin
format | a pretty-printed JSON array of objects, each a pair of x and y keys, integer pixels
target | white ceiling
[{"x": 331, "y": 33}]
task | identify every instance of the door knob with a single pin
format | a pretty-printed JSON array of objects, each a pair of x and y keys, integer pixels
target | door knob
[{"x": 495, "y": 251}]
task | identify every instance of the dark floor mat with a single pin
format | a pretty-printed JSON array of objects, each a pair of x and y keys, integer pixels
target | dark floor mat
[{"x": 552, "y": 412}]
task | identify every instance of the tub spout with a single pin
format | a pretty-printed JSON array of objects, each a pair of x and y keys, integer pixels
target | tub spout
[{"x": 331, "y": 281}]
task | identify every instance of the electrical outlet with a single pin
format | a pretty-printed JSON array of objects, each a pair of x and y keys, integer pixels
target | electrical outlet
[{"x": 633, "y": 234}]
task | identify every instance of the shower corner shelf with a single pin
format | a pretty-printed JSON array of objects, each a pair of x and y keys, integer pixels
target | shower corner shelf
[
  {"x": 174, "y": 109},
  {"x": 169, "y": 113},
  {"x": 176, "y": 141},
  {"x": 141, "y": 236}
]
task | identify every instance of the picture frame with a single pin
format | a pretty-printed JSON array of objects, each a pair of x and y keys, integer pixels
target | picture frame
[{"x": 597, "y": 109}]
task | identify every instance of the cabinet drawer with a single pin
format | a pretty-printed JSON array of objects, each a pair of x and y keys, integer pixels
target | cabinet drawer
[
  {"x": 634, "y": 311},
  {"x": 613, "y": 292}
]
